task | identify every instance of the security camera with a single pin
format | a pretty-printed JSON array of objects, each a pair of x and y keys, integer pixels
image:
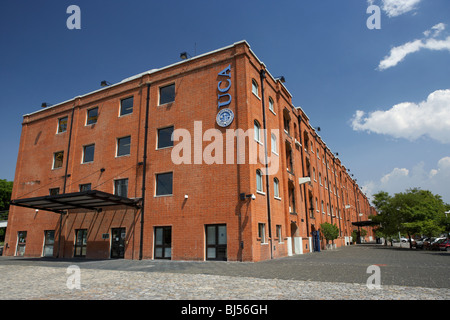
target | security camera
[{"x": 253, "y": 197}]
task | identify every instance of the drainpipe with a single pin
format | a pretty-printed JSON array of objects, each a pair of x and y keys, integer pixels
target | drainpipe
[
  {"x": 262, "y": 77},
  {"x": 68, "y": 150},
  {"x": 337, "y": 197},
  {"x": 303, "y": 173},
  {"x": 144, "y": 172},
  {"x": 65, "y": 179},
  {"x": 328, "y": 182}
]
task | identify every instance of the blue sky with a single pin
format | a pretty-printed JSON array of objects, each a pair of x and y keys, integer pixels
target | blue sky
[{"x": 337, "y": 69}]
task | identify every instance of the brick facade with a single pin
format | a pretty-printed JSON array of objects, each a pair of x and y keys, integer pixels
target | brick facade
[{"x": 205, "y": 196}]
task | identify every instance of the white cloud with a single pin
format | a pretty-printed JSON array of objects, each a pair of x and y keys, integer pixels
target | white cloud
[
  {"x": 410, "y": 120},
  {"x": 394, "y": 8},
  {"x": 398, "y": 54},
  {"x": 401, "y": 179}
]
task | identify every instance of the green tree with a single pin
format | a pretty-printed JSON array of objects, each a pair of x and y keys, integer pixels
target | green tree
[
  {"x": 329, "y": 231},
  {"x": 5, "y": 194},
  {"x": 414, "y": 212}
]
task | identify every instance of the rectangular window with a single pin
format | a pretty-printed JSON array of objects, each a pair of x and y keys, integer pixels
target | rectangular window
[
  {"x": 262, "y": 232},
  {"x": 88, "y": 153},
  {"x": 121, "y": 187},
  {"x": 165, "y": 137},
  {"x": 92, "y": 116},
  {"x": 279, "y": 235},
  {"x": 276, "y": 188},
  {"x": 126, "y": 106},
  {"x": 62, "y": 124},
  {"x": 85, "y": 187},
  {"x": 54, "y": 191},
  {"x": 167, "y": 94},
  {"x": 123, "y": 146},
  {"x": 164, "y": 184},
  {"x": 58, "y": 158}
]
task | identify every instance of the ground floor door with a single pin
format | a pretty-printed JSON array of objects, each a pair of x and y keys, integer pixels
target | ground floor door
[
  {"x": 118, "y": 243},
  {"x": 163, "y": 243},
  {"x": 80, "y": 242},
  {"x": 21, "y": 243},
  {"x": 216, "y": 242},
  {"x": 49, "y": 241}
]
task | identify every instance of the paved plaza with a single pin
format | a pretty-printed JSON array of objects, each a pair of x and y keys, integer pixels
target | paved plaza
[{"x": 339, "y": 274}]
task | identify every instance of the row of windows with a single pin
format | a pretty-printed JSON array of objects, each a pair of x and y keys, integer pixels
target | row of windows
[
  {"x": 255, "y": 91},
  {"x": 273, "y": 137},
  {"x": 276, "y": 190},
  {"x": 163, "y": 182},
  {"x": 123, "y": 147},
  {"x": 260, "y": 188},
  {"x": 166, "y": 95},
  {"x": 262, "y": 233}
]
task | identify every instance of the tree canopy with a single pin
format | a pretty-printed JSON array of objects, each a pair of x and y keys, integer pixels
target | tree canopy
[
  {"x": 5, "y": 195},
  {"x": 414, "y": 212}
]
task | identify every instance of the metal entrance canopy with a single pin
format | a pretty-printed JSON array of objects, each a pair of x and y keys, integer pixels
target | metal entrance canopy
[{"x": 89, "y": 200}]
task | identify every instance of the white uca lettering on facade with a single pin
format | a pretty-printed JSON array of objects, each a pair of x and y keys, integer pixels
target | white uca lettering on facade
[{"x": 225, "y": 116}]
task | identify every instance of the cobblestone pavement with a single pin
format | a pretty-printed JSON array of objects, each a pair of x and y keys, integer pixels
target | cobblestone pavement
[{"x": 339, "y": 274}]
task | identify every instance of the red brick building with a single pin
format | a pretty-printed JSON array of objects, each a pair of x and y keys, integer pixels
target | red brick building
[{"x": 99, "y": 176}]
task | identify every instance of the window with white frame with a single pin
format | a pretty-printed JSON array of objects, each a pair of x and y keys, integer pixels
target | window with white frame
[
  {"x": 274, "y": 143},
  {"x": 121, "y": 187},
  {"x": 58, "y": 158},
  {"x": 257, "y": 129},
  {"x": 62, "y": 124},
  {"x": 123, "y": 146},
  {"x": 262, "y": 232},
  {"x": 279, "y": 233},
  {"x": 92, "y": 116},
  {"x": 276, "y": 188},
  {"x": 88, "y": 153},
  {"x": 271, "y": 105},
  {"x": 255, "y": 88},
  {"x": 126, "y": 106},
  {"x": 259, "y": 181}
]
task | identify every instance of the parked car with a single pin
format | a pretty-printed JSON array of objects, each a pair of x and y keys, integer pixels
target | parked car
[
  {"x": 420, "y": 242},
  {"x": 436, "y": 243},
  {"x": 445, "y": 245}
]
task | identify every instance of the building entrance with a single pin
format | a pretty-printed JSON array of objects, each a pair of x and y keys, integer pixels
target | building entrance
[
  {"x": 118, "y": 243},
  {"x": 216, "y": 242}
]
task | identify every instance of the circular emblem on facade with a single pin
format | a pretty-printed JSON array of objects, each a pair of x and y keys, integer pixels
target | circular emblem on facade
[{"x": 225, "y": 117}]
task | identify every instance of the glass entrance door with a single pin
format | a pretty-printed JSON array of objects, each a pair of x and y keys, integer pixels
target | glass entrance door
[
  {"x": 49, "y": 241},
  {"x": 163, "y": 242},
  {"x": 21, "y": 243},
  {"x": 216, "y": 242},
  {"x": 118, "y": 243},
  {"x": 80, "y": 242}
]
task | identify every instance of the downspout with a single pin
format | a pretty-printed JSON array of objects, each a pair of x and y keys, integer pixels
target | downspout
[
  {"x": 262, "y": 77},
  {"x": 68, "y": 150},
  {"x": 65, "y": 178},
  {"x": 358, "y": 239},
  {"x": 328, "y": 187},
  {"x": 337, "y": 198},
  {"x": 303, "y": 173},
  {"x": 144, "y": 172}
]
